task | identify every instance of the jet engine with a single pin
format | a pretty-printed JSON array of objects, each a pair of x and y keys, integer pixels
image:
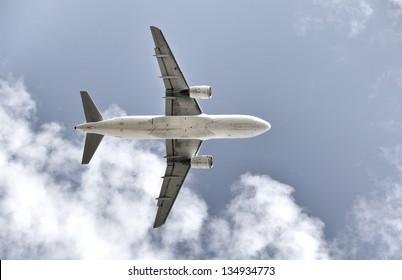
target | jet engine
[
  {"x": 200, "y": 92},
  {"x": 204, "y": 162}
]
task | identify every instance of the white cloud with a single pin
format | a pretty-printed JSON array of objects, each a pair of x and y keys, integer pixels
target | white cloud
[
  {"x": 356, "y": 27},
  {"x": 348, "y": 17},
  {"x": 397, "y": 3},
  {"x": 393, "y": 156},
  {"x": 374, "y": 228},
  {"x": 390, "y": 34},
  {"x": 396, "y": 10},
  {"x": 359, "y": 18},
  {"x": 264, "y": 218},
  {"x": 53, "y": 207},
  {"x": 380, "y": 22}
]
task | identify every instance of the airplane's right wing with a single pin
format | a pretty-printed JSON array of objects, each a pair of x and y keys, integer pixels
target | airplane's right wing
[
  {"x": 177, "y": 103},
  {"x": 178, "y": 153}
]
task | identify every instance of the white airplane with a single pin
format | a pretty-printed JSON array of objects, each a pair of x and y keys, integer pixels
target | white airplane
[{"x": 184, "y": 126}]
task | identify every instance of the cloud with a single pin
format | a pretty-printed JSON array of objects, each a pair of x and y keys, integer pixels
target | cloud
[
  {"x": 374, "y": 228},
  {"x": 51, "y": 207},
  {"x": 264, "y": 218},
  {"x": 348, "y": 17},
  {"x": 380, "y": 23},
  {"x": 359, "y": 18},
  {"x": 393, "y": 156},
  {"x": 396, "y": 10}
]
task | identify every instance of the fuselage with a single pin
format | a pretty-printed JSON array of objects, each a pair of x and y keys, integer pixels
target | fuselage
[{"x": 201, "y": 127}]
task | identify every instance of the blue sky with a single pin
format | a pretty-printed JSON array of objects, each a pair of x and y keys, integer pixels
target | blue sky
[{"x": 324, "y": 182}]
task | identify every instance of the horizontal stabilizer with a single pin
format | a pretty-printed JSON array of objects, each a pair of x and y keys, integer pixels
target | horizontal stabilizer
[
  {"x": 92, "y": 113},
  {"x": 92, "y": 142}
]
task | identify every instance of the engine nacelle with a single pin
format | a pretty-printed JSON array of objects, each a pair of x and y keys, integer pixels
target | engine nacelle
[
  {"x": 200, "y": 92},
  {"x": 204, "y": 162}
]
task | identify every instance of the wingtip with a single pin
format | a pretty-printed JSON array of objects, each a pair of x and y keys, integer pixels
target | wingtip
[
  {"x": 157, "y": 225},
  {"x": 155, "y": 28}
]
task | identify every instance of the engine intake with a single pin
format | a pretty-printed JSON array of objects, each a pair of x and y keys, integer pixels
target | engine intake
[
  {"x": 204, "y": 162},
  {"x": 200, "y": 92}
]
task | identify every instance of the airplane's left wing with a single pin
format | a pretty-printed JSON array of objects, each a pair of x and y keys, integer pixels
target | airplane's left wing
[
  {"x": 177, "y": 100},
  {"x": 178, "y": 155}
]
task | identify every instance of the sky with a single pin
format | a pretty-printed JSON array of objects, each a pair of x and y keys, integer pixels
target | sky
[{"x": 324, "y": 183}]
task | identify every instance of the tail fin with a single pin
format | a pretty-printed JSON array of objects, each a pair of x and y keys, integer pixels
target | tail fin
[
  {"x": 92, "y": 140},
  {"x": 92, "y": 113}
]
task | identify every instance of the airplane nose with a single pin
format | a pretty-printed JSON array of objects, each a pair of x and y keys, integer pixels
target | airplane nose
[{"x": 263, "y": 126}]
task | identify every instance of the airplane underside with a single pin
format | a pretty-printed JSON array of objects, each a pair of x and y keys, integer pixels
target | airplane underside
[
  {"x": 178, "y": 127},
  {"x": 184, "y": 127}
]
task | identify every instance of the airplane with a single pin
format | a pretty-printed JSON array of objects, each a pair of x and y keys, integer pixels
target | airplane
[{"x": 184, "y": 127}]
